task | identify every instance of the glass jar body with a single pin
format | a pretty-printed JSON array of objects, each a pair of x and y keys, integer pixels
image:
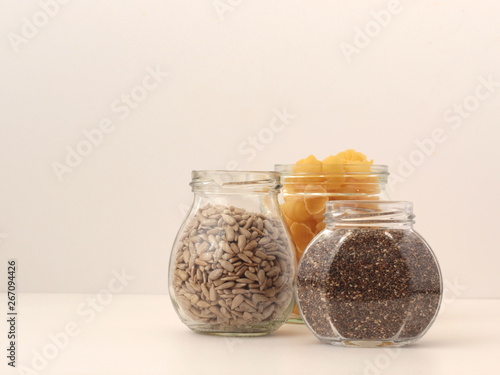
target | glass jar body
[
  {"x": 307, "y": 189},
  {"x": 232, "y": 265},
  {"x": 369, "y": 284}
]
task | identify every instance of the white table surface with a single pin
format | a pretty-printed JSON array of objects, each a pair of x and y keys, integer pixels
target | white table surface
[{"x": 141, "y": 334}]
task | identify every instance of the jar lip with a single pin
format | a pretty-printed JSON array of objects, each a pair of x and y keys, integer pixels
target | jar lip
[
  {"x": 220, "y": 178},
  {"x": 369, "y": 211},
  {"x": 331, "y": 205},
  {"x": 355, "y": 169}
]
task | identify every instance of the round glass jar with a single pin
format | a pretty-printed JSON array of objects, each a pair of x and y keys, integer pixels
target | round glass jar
[
  {"x": 368, "y": 279},
  {"x": 232, "y": 264},
  {"x": 307, "y": 188}
]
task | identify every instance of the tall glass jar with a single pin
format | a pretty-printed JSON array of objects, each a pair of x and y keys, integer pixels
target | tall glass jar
[
  {"x": 232, "y": 264},
  {"x": 307, "y": 188},
  {"x": 368, "y": 279}
]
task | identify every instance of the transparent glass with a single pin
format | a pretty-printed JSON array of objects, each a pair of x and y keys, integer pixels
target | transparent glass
[
  {"x": 232, "y": 264},
  {"x": 368, "y": 279},
  {"x": 307, "y": 188}
]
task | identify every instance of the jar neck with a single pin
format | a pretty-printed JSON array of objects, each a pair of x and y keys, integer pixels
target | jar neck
[
  {"x": 234, "y": 182},
  {"x": 335, "y": 179},
  {"x": 369, "y": 214}
]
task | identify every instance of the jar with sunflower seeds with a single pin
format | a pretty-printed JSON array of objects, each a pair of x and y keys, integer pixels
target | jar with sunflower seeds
[{"x": 232, "y": 265}]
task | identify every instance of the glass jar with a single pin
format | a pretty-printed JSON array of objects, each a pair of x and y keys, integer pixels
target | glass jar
[
  {"x": 307, "y": 188},
  {"x": 232, "y": 264},
  {"x": 368, "y": 279}
]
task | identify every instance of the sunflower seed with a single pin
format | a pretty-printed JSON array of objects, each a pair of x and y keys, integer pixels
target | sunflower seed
[
  {"x": 244, "y": 258},
  {"x": 202, "y": 304},
  {"x": 235, "y": 248},
  {"x": 194, "y": 299},
  {"x": 251, "y": 276},
  {"x": 261, "y": 276},
  {"x": 245, "y": 232},
  {"x": 273, "y": 271},
  {"x": 213, "y": 293},
  {"x": 200, "y": 262},
  {"x": 209, "y": 223},
  {"x": 237, "y": 301},
  {"x": 206, "y": 256},
  {"x": 226, "y": 265},
  {"x": 242, "y": 241},
  {"x": 251, "y": 245},
  {"x": 229, "y": 219},
  {"x": 240, "y": 291},
  {"x": 226, "y": 285},
  {"x": 182, "y": 274},
  {"x": 229, "y": 233},
  {"x": 215, "y": 274}
]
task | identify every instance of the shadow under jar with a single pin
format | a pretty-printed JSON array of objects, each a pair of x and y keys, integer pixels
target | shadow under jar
[
  {"x": 232, "y": 265},
  {"x": 368, "y": 279}
]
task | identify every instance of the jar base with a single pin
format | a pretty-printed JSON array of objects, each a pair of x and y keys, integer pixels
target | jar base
[
  {"x": 368, "y": 343},
  {"x": 242, "y": 331},
  {"x": 233, "y": 334}
]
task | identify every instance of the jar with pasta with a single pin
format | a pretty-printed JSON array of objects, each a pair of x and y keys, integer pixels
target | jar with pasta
[{"x": 310, "y": 183}]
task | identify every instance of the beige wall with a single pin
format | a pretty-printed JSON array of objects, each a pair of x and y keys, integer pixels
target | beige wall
[{"x": 162, "y": 88}]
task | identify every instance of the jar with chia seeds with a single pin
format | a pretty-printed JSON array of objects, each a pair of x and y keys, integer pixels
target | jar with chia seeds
[
  {"x": 368, "y": 279},
  {"x": 308, "y": 187},
  {"x": 232, "y": 264}
]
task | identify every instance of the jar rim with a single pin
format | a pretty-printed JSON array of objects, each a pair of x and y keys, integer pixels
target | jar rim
[
  {"x": 377, "y": 169},
  {"x": 369, "y": 212},
  {"x": 330, "y": 205},
  {"x": 219, "y": 178}
]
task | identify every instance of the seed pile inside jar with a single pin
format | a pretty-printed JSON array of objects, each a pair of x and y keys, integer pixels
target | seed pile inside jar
[
  {"x": 371, "y": 284},
  {"x": 233, "y": 268}
]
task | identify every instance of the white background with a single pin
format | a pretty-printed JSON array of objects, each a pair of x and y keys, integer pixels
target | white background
[{"x": 229, "y": 71}]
